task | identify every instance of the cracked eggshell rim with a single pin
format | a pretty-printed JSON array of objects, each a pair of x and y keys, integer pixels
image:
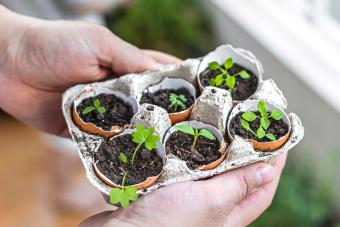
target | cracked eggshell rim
[
  {"x": 149, "y": 181},
  {"x": 239, "y": 56},
  {"x": 213, "y": 130},
  {"x": 173, "y": 83},
  {"x": 251, "y": 105},
  {"x": 92, "y": 128}
]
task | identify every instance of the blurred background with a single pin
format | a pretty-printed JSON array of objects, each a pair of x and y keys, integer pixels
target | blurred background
[{"x": 298, "y": 42}]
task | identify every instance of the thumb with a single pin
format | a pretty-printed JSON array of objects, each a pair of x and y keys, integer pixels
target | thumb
[
  {"x": 125, "y": 58},
  {"x": 232, "y": 187}
]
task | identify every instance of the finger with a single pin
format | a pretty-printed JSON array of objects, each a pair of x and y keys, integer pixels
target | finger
[
  {"x": 162, "y": 58},
  {"x": 257, "y": 202},
  {"x": 125, "y": 58},
  {"x": 229, "y": 189}
]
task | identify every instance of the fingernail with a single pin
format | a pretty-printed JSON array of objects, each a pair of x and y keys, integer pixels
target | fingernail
[{"x": 264, "y": 175}]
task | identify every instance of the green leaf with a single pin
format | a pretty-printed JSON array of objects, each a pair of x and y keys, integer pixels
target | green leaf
[
  {"x": 182, "y": 98},
  {"x": 96, "y": 103},
  {"x": 271, "y": 137},
  {"x": 276, "y": 114},
  {"x": 243, "y": 74},
  {"x": 101, "y": 109},
  {"x": 150, "y": 138},
  {"x": 262, "y": 107},
  {"x": 123, "y": 158},
  {"x": 212, "y": 82},
  {"x": 123, "y": 196},
  {"x": 219, "y": 79},
  {"x": 228, "y": 63},
  {"x": 245, "y": 124},
  {"x": 207, "y": 134},
  {"x": 116, "y": 195},
  {"x": 172, "y": 97},
  {"x": 88, "y": 110},
  {"x": 260, "y": 133},
  {"x": 139, "y": 135},
  {"x": 214, "y": 65},
  {"x": 131, "y": 193},
  {"x": 177, "y": 101},
  {"x": 186, "y": 129},
  {"x": 264, "y": 123},
  {"x": 249, "y": 116},
  {"x": 230, "y": 82},
  {"x": 151, "y": 142}
]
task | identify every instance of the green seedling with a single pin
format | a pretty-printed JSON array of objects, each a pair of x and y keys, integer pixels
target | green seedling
[
  {"x": 123, "y": 195},
  {"x": 224, "y": 75},
  {"x": 177, "y": 101},
  {"x": 144, "y": 136},
  {"x": 96, "y": 106},
  {"x": 195, "y": 132},
  {"x": 141, "y": 136},
  {"x": 264, "y": 117}
]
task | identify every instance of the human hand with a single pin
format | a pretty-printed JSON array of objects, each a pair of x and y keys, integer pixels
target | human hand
[
  {"x": 235, "y": 198},
  {"x": 39, "y": 60}
]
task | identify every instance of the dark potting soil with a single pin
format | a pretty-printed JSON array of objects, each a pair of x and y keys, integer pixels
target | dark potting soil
[
  {"x": 146, "y": 164},
  {"x": 161, "y": 98},
  {"x": 243, "y": 88},
  {"x": 205, "y": 151},
  {"x": 277, "y": 128},
  {"x": 117, "y": 112}
]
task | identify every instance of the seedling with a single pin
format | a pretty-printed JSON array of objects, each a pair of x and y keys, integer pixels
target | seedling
[
  {"x": 123, "y": 195},
  {"x": 195, "y": 132},
  {"x": 264, "y": 117},
  {"x": 144, "y": 136},
  {"x": 177, "y": 101},
  {"x": 224, "y": 75},
  {"x": 96, "y": 106},
  {"x": 141, "y": 136}
]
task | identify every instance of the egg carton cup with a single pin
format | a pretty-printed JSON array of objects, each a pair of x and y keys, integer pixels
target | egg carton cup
[{"x": 212, "y": 107}]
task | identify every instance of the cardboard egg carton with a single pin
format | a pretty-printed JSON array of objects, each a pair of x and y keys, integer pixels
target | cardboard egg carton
[{"x": 213, "y": 107}]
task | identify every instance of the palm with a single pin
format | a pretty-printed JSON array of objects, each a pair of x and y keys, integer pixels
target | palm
[{"x": 225, "y": 200}]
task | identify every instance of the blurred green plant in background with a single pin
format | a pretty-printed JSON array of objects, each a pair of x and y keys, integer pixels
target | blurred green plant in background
[
  {"x": 178, "y": 27},
  {"x": 304, "y": 197}
]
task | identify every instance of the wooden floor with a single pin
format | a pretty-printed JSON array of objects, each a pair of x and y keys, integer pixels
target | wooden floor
[{"x": 38, "y": 185}]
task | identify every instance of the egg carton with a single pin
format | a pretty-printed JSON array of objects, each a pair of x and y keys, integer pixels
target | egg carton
[{"x": 213, "y": 107}]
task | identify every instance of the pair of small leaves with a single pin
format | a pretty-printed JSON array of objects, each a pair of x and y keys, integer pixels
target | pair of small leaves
[
  {"x": 227, "y": 64},
  {"x": 177, "y": 101},
  {"x": 219, "y": 79},
  {"x": 96, "y": 106},
  {"x": 146, "y": 136},
  {"x": 275, "y": 114},
  {"x": 123, "y": 195},
  {"x": 250, "y": 116},
  {"x": 195, "y": 132},
  {"x": 260, "y": 133}
]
